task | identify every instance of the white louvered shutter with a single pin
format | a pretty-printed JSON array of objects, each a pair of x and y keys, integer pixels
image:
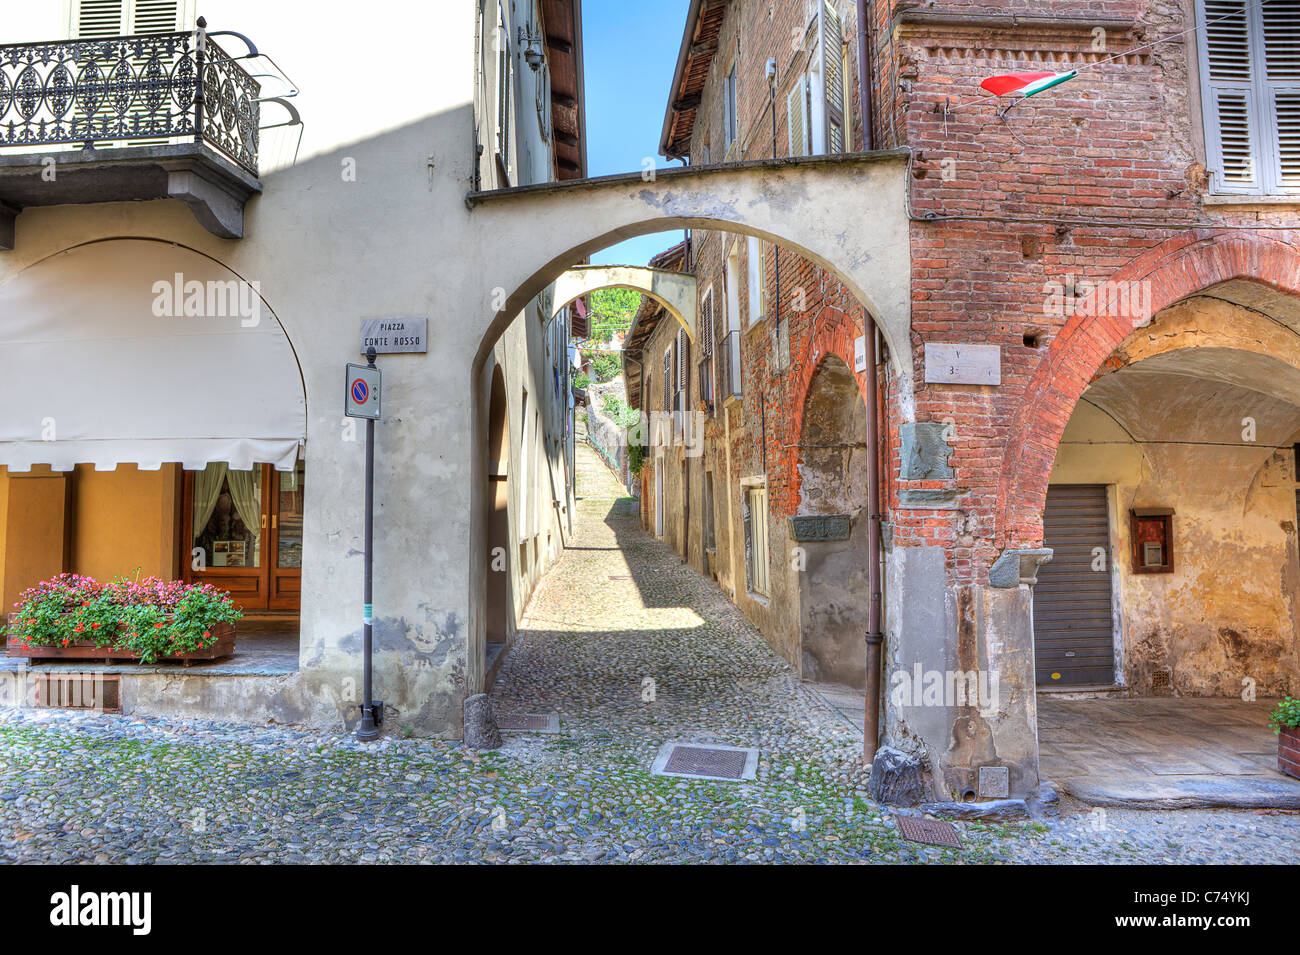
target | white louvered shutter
[
  {"x": 159, "y": 16},
  {"x": 96, "y": 18},
  {"x": 683, "y": 363},
  {"x": 796, "y": 104},
  {"x": 102, "y": 18}
]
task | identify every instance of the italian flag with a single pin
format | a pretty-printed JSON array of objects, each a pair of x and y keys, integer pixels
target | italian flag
[{"x": 1026, "y": 84}]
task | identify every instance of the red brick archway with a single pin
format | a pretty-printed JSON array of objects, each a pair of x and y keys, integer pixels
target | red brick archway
[
  {"x": 1175, "y": 269},
  {"x": 835, "y": 335}
]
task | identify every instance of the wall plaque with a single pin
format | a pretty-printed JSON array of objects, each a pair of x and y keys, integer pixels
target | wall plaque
[
  {"x": 820, "y": 527},
  {"x": 963, "y": 364}
]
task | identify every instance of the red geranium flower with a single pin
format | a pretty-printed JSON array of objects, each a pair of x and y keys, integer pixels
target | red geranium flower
[{"x": 79, "y": 628}]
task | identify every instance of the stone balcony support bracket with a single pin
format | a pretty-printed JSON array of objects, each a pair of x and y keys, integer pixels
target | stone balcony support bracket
[{"x": 1018, "y": 566}]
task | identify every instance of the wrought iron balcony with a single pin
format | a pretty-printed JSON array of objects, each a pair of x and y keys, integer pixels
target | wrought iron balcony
[
  {"x": 149, "y": 87},
  {"x": 181, "y": 115}
]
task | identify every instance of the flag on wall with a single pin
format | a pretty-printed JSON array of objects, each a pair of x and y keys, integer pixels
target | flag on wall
[{"x": 1026, "y": 84}]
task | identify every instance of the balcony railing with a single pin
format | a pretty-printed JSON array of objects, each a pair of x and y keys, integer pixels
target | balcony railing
[
  {"x": 729, "y": 381},
  {"x": 159, "y": 86}
]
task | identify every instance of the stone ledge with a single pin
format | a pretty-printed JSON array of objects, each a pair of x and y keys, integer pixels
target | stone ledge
[{"x": 1018, "y": 566}]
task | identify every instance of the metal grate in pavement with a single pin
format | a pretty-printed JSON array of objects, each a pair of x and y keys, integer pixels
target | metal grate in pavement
[
  {"x": 706, "y": 761},
  {"x": 530, "y": 723},
  {"x": 929, "y": 832}
]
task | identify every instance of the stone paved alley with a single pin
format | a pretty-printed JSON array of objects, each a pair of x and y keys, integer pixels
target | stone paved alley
[{"x": 619, "y": 608}]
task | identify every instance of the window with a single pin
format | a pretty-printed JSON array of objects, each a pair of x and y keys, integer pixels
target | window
[
  {"x": 1250, "y": 82},
  {"x": 729, "y": 133},
  {"x": 756, "y": 553},
  {"x": 757, "y": 261}
]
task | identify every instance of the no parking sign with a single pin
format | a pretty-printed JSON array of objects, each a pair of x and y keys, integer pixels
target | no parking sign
[{"x": 362, "y": 392}]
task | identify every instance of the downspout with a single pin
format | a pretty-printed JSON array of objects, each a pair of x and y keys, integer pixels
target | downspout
[
  {"x": 874, "y": 637},
  {"x": 864, "y": 75}
]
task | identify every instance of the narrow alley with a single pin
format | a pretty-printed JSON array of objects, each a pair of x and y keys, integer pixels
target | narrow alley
[{"x": 619, "y": 610}]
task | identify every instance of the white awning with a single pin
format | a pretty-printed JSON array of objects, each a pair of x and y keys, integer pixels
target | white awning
[{"x": 135, "y": 351}]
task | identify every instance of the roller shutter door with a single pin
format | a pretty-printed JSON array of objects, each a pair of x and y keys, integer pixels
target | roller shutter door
[{"x": 1073, "y": 626}]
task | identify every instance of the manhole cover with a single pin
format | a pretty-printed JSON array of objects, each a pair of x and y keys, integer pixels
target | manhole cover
[
  {"x": 530, "y": 723},
  {"x": 930, "y": 832},
  {"x": 706, "y": 761}
]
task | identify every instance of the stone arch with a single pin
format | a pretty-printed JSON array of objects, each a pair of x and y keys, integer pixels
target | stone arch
[
  {"x": 831, "y": 525},
  {"x": 799, "y": 204},
  {"x": 675, "y": 291},
  {"x": 1170, "y": 272}
]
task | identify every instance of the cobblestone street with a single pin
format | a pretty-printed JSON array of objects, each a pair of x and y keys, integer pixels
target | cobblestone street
[{"x": 631, "y": 649}]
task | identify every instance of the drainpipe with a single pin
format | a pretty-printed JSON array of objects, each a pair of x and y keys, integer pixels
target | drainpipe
[
  {"x": 864, "y": 74},
  {"x": 875, "y": 638}
]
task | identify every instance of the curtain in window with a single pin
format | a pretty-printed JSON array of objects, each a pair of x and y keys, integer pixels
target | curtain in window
[
  {"x": 207, "y": 488},
  {"x": 246, "y": 492}
]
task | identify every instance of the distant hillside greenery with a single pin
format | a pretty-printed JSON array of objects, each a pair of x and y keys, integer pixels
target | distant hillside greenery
[{"x": 612, "y": 310}]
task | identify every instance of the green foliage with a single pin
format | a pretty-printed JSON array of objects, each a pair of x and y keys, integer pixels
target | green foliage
[
  {"x": 635, "y": 458},
  {"x": 580, "y": 380},
  {"x": 606, "y": 365},
  {"x": 612, "y": 310},
  {"x": 1286, "y": 713},
  {"x": 615, "y": 409}
]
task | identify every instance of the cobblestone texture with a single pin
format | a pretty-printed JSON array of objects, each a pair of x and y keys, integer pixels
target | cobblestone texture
[{"x": 78, "y": 787}]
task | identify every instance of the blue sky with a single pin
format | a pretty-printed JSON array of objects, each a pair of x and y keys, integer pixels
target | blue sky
[{"x": 629, "y": 52}]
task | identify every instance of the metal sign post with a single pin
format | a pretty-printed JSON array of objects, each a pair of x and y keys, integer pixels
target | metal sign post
[{"x": 362, "y": 401}]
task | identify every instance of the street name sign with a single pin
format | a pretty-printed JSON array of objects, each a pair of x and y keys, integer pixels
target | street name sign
[{"x": 395, "y": 336}]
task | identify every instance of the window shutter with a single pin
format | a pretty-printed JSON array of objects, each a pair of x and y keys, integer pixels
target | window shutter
[
  {"x": 796, "y": 107},
  {"x": 1234, "y": 121},
  {"x": 729, "y": 109},
  {"x": 96, "y": 18},
  {"x": 683, "y": 376},
  {"x": 158, "y": 16},
  {"x": 832, "y": 71},
  {"x": 1280, "y": 24},
  {"x": 668, "y": 379}
]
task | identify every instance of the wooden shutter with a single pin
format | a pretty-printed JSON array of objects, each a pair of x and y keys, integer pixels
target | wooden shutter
[
  {"x": 1251, "y": 76},
  {"x": 667, "y": 378},
  {"x": 1230, "y": 104},
  {"x": 1280, "y": 26},
  {"x": 683, "y": 376},
  {"x": 159, "y": 16},
  {"x": 796, "y": 109},
  {"x": 729, "y": 109},
  {"x": 831, "y": 53},
  {"x": 96, "y": 18}
]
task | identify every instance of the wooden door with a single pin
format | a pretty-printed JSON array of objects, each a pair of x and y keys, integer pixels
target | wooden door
[{"x": 242, "y": 532}]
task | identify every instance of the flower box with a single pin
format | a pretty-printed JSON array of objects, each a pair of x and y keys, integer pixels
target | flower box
[
  {"x": 74, "y": 617},
  {"x": 223, "y": 645},
  {"x": 1288, "y": 751}
]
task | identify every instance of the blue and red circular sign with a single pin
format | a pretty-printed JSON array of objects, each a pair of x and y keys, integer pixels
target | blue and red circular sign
[{"x": 360, "y": 391}]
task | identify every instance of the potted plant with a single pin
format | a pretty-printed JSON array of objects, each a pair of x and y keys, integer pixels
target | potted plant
[
  {"x": 72, "y": 616},
  {"x": 1285, "y": 722}
]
